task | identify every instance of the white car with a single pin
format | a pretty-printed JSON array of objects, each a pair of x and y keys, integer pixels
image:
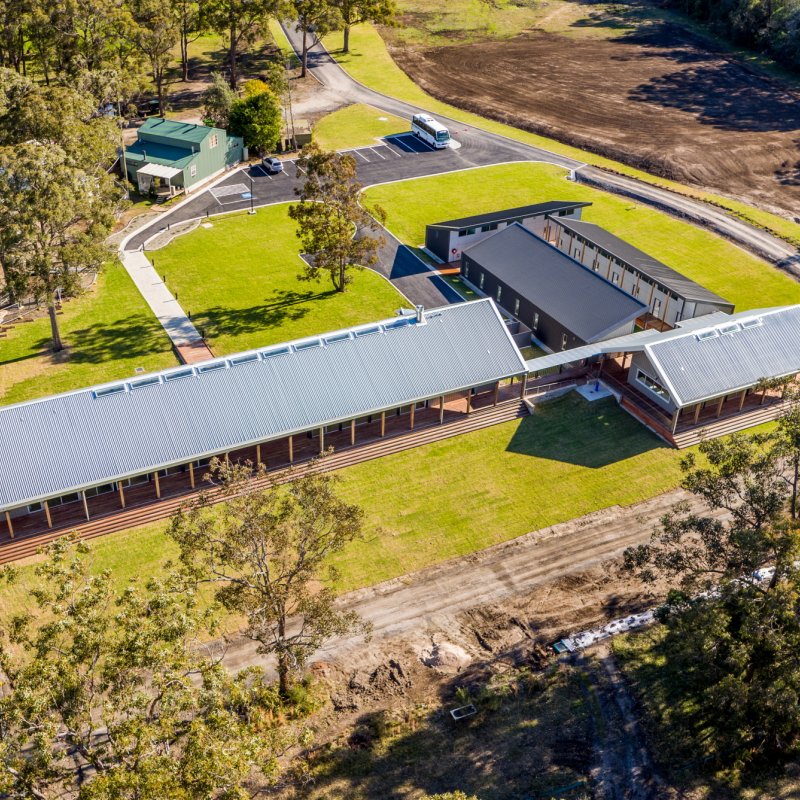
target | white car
[{"x": 272, "y": 164}]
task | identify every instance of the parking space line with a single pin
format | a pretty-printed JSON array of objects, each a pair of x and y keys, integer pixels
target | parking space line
[
  {"x": 398, "y": 142},
  {"x": 259, "y": 167},
  {"x": 377, "y": 153},
  {"x": 359, "y": 153}
]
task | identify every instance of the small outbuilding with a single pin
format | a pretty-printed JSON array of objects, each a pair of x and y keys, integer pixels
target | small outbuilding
[
  {"x": 176, "y": 156},
  {"x": 447, "y": 240},
  {"x": 563, "y": 303},
  {"x": 670, "y": 296}
]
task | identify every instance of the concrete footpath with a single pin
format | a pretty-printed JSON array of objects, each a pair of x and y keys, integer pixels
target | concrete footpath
[{"x": 168, "y": 311}]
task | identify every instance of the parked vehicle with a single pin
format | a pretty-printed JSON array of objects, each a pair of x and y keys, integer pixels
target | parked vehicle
[
  {"x": 271, "y": 164},
  {"x": 429, "y": 130}
]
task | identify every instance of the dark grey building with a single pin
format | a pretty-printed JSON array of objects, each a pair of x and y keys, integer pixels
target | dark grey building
[
  {"x": 447, "y": 240},
  {"x": 563, "y": 303},
  {"x": 669, "y": 296}
]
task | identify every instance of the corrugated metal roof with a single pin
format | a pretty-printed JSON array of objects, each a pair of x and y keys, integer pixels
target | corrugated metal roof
[
  {"x": 581, "y": 300},
  {"x": 176, "y": 129},
  {"x": 84, "y": 438},
  {"x": 157, "y": 153},
  {"x": 521, "y": 212},
  {"x": 644, "y": 263},
  {"x": 729, "y": 355}
]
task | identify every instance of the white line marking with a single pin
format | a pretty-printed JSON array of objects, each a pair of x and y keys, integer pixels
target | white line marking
[
  {"x": 359, "y": 153},
  {"x": 377, "y": 153},
  {"x": 225, "y": 191},
  {"x": 263, "y": 171}
]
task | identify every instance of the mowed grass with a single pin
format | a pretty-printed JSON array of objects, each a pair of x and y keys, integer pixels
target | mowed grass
[
  {"x": 239, "y": 281},
  {"x": 357, "y": 125},
  {"x": 370, "y": 63},
  {"x": 708, "y": 259},
  {"x": 460, "y": 495},
  {"x": 108, "y": 331}
]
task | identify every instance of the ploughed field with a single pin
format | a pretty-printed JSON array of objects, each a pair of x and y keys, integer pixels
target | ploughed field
[{"x": 659, "y": 98}]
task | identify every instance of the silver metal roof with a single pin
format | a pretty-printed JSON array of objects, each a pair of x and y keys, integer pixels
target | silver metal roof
[
  {"x": 728, "y": 356},
  {"x": 707, "y": 357},
  {"x": 84, "y": 438}
]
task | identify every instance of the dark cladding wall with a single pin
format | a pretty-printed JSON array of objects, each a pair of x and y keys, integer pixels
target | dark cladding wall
[
  {"x": 437, "y": 240},
  {"x": 547, "y": 330}
]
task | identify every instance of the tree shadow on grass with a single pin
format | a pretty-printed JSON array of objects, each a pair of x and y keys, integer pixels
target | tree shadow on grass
[
  {"x": 281, "y": 308},
  {"x": 574, "y": 431}
]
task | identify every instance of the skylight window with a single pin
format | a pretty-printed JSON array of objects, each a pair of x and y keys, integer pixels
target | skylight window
[
  {"x": 733, "y": 328},
  {"x": 109, "y": 390},
  {"x": 214, "y": 365},
  {"x": 275, "y": 351},
  {"x": 182, "y": 373},
  {"x": 149, "y": 381},
  {"x": 403, "y": 322},
  {"x": 752, "y": 323},
  {"x": 339, "y": 337},
  {"x": 308, "y": 345},
  {"x": 245, "y": 359},
  {"x": 704, "y": 335},
  {"x": 369, "y": 331}
]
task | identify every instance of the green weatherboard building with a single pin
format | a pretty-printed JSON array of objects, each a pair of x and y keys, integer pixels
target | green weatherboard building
[{"x": 178, "y": 155}]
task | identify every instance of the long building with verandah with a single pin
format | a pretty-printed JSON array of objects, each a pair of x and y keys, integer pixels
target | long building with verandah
[{"x": 105, "y": 447}]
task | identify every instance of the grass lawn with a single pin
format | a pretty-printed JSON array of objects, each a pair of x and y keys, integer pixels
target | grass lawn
[
  {"x": 108, "y": 331},
  {"x": 356, "y": 126},
  {"x": 370, "y": 63},
  {"x": 238, "y": 279},
  {"x": 568, "y": 459},
  {"x": 710, "y": 260}
]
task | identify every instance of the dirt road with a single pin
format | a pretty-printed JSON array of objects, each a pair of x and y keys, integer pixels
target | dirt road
[
  {"x": 431, "y": 599},
  {"x": 659, "y": 98}
]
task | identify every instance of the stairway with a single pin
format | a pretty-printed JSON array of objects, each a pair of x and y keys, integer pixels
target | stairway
[
  {"x": 27, "y": 545},
  {"x": 732, "y": 424}
]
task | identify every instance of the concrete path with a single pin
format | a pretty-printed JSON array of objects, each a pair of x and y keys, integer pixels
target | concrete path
[{"x": 172, "y": 317}]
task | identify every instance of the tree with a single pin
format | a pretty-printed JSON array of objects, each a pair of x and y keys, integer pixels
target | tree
[
  {"x": 354, "y": 12},
  {"x": 191, "y": 26},
  {"x": 732, "y": 615},
  {"x": 333, "y": 227},
  {"x": 61, "y": 215},
  {"x": 154, "y": 31},
  {"x": 315, "y": 19},
  {"x": 257, "y": 119},
  {"x": 108, "y": 694},
  {"x": 787, "y": 441},
  {"x": 218, "y": 100},
  {"x": 268, "y": 553},
  {"x": 240, "y": 21}
]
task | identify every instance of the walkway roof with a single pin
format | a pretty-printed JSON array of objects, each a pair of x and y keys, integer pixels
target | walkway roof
[
  {"x": 647, "y": 265},
  {"x": 511, "y": 214},
  {"x": 707, "y": 357},
  {"x": 581, "y": 300},
  {"x": 159, "y": 171},
  {"x": 67, "y": 442}
]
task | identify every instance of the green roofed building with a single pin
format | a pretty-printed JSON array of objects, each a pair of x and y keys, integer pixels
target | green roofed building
[{"x": 178, "y": 155}]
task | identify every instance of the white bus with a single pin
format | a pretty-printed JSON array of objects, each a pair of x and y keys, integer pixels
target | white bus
[{"x": 430, "y": 131}]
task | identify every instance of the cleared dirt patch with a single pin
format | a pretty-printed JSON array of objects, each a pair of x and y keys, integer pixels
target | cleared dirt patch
[{"x": 659, "y": 98}]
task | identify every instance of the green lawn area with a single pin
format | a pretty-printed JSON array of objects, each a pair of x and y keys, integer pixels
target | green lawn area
[
  {"x": 357, "y": 125},
  {"x": 710, "y": 260},
  {"x": 108, "y": 332},
  {"x": 568, "y": 459},
  {"x": 370, "y": 63},
  {"x": 238, "y": 279}
]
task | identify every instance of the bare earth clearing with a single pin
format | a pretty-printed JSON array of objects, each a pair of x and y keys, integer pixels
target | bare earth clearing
[{"x": 659, "y": 98}]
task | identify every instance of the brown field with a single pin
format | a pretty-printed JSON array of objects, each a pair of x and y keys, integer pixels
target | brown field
[{"x": 658, "y": 97}]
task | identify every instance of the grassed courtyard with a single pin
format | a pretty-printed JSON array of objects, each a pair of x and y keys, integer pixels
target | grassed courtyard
[
  {"x": 238, "y": 280},
  {"x": 108, "y": 332},
  {"x": 710, "y": 260}
]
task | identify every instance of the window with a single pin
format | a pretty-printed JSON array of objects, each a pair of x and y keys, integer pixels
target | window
[
  {"x": 535, "y": 321},
  {"x": 516, "y": 307},
  {"x": 466, "y": 270},
  {"x": 562, "y": 213},
  {"x": 487, "y": 228},
  {"x": 577, "y": 253},
  {"x": 656, "y": 308},
  {"x": 193, "y": 171},
  {"x": 213, "y": 141},
  {"x": 499, "y": 293},
  {"x": 563, "y": 341},
  {"x": 615, "y": 278},
  {"x": 35, "y": 507},
  {"x": 483, "y": 275},
  {"x": 635, "y": 291},
  {"x": 653, "y": 385},
  {"x": 467, "y": 231}
]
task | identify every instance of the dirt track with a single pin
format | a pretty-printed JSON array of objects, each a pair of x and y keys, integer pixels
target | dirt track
[{"x": 658, "y": 99}]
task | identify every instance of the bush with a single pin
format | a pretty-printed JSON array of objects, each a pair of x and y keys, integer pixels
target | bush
[{"x": 257, "y": 119}]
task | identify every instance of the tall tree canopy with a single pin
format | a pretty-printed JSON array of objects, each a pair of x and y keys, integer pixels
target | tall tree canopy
[
  {"x": 268, "y": 553},
  {"x": 257, "y": 119},
  {"x": 107, "y": 694},
  {"x": 314, "y": 19},
  {"x": 354, "y": 12},
  {"x": 333, "y": 227},
  {"x": 733, "y": 614}
]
